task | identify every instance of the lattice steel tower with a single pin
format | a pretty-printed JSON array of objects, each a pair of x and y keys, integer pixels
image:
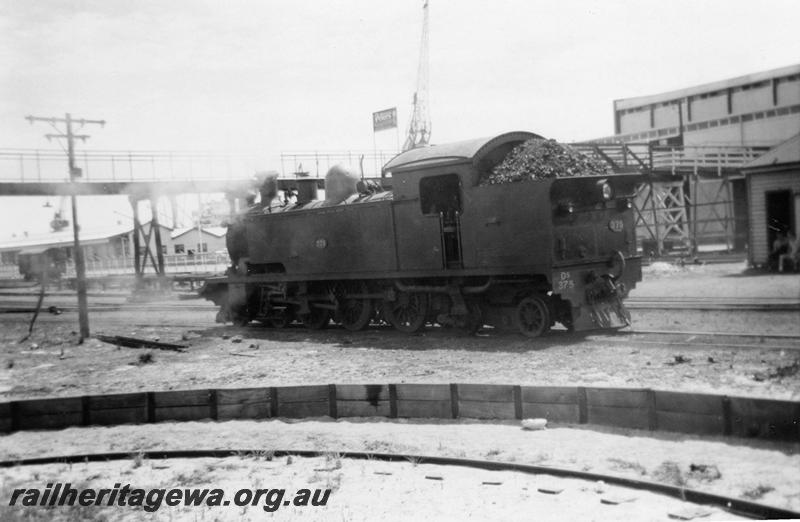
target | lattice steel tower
[{"x": 419, "y": 130}]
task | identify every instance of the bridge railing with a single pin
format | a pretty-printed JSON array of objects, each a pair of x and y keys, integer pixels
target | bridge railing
[
  {"x": 36, "y": 165},
  {"x": 618, "y": 156},
  {"x": 317, "y": 163},
  {"x": 39, "y": 165},
  {"x": 703, "y": 157},
  {"x": 674, "y": 159}
]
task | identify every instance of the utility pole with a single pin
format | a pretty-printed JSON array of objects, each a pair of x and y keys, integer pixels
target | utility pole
[{"x": 74, "y": 173}]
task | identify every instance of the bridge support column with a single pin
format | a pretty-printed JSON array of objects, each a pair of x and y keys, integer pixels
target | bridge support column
[
  {"x": 155, "y": 227},
  {"x": 173, "y": 207},
  {"x": 137, "y": 255},
  {"x": 656, "y": 231}
]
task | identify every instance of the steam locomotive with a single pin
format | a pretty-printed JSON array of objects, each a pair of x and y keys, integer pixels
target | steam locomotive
[{"x": 438, "y": 248}]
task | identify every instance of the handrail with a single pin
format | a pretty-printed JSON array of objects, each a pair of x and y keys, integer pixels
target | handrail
[
  {"x": 642, "y": 156},
  {"x": 49, "y": 165}
]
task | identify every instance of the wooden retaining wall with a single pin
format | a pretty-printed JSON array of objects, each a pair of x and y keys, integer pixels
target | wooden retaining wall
[{"x": 618, "y": 407}]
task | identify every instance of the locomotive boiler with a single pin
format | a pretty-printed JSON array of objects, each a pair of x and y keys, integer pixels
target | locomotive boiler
[{"x": 440, "y": 247}]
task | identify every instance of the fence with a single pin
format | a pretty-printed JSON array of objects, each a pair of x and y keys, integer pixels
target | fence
[
  {"x": 619, "y": 407},
  {"x": 173, "y": 263},
  {"x": 215, "y": 262}
]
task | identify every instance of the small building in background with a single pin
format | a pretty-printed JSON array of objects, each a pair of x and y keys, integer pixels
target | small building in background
[
  {"x": 773, "y": 190},
  {"x": 109, "y": 249},
  {"x": 198, "y": 240}
]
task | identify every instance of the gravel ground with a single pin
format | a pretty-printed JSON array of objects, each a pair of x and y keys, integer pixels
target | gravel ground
[
  {"x": 50, "y": 363},
  {"x": 755, "y": 470},
  {"x": 406, "y": 490}
]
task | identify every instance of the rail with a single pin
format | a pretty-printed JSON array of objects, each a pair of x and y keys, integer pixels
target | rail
[{"x": 731, "y": 504}]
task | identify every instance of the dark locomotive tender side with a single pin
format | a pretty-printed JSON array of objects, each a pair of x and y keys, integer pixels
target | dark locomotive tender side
[{"x": 439, "y": 248}]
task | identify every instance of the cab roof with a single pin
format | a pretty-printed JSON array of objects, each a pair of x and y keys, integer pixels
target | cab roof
[{"x": 458, "y": 152}]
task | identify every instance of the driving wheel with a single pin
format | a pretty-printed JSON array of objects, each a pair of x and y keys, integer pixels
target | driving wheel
[
  {"x": 408, "y": 312},
  {"x": 533, "y": 316}
]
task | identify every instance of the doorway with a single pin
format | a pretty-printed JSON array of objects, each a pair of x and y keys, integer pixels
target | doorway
[
  {"x": 441, "y": 196},
  {"x": 780, "y": 214}
]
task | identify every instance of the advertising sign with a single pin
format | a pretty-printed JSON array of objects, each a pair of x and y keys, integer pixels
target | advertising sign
[{"x": 383, "y": 120}]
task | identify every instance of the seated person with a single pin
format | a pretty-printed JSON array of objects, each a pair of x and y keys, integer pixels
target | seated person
[
  {"x": 791, "y": 253},
  {"x": 779, "y": 247}
]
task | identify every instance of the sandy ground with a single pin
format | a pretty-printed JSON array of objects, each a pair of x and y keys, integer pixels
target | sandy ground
[
  {"x": 405, "y": 490},
  {"x": 723, "y": 280},
  {"x": 51, "y": 364},
  {"x": 764, "y": 472}
]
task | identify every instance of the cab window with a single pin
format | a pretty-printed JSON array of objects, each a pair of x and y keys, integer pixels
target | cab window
[{"x": 439, "y": 194}]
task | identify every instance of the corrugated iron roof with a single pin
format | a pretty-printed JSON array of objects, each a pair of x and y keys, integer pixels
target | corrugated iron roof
[
  {"x": 64, "y": 237},
  {"x": 639, "y": 101},
  {"x": 214, "y": 231},
  {"x": 782, "y": 154}
]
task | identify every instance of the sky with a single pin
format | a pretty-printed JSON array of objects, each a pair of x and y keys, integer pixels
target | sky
[{"x": 270, "y": 76}]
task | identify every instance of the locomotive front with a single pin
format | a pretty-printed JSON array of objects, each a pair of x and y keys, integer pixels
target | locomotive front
[{"x": 594, "y": 248}]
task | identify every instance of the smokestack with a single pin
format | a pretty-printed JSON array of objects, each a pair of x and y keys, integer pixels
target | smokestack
[{"x": 306, "y": 190}]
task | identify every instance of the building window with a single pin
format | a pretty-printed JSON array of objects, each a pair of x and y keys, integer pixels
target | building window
[
  {"x": 163, "y": 249},
  {"x": 202, "y": 247},
  {"x": 180, "y": 249}
]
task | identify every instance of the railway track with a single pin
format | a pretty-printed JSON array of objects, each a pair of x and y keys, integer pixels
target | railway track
[
  {"x": 668, "y": 337},
  {"x": 730, "y": 504},
  {"x": 10, "y": 302},
  {"x": 749, "y": 304}
]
